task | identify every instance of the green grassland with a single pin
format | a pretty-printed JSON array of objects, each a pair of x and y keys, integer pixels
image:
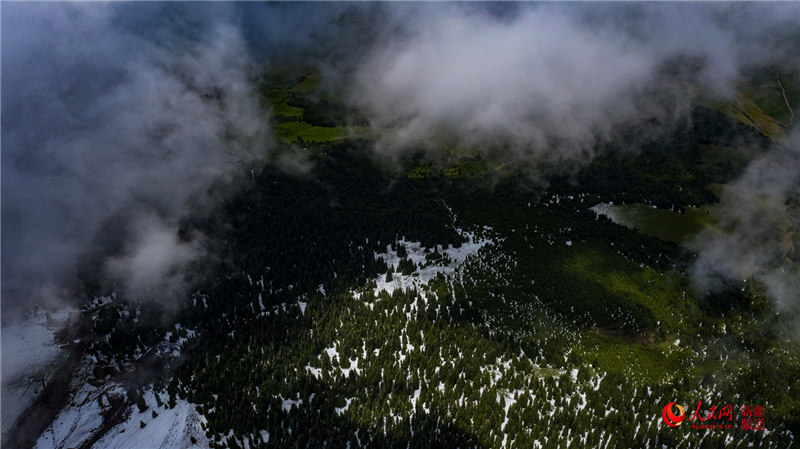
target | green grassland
[
  {"x": 291, "y": 123},
  {"x": 280, "y": 108},
  {"x": 746, "y": 111},
  {"x": 668, "y": 225},
  {"x": 761, "y": 102},
  {"x": 289, "y": 127},
  {"x": 297, "y": 131},
  {"x": 772, "y": 89}
]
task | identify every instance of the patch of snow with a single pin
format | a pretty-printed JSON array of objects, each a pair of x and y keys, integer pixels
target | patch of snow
[
  {"x": 286, "y": 404},
  {"x": 508, "y": 401},
  {"x": 414, "y": 398},
  {"x": 596, "y": 386},
  {"x": 582, "y": 405},
  {"x": 606, "y": 209},
  {"x": 353, "y": 367},
  {"x": 316, "y": 372},
  {"x": 340, "y": 410},
  {"x": 332, "y": 352},
  {"x": 426, "y": 270}
]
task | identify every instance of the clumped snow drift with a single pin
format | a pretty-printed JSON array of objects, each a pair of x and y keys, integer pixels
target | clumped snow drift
[{"x": 427, "y": 270}]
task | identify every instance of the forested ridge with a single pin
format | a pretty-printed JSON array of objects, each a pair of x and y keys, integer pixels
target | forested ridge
[{"x": 557, "y": 328}]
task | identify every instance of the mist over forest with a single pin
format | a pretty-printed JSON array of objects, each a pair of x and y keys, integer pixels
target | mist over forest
[{"x": 554, "y": 184}]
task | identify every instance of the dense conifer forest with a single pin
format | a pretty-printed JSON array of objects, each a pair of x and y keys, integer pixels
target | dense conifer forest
[{"x": 462, "y": 303}]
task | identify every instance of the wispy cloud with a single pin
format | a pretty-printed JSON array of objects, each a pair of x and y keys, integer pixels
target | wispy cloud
[{"x": 102, "y": 124}]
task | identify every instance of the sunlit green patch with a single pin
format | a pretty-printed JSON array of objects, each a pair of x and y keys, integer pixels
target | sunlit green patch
[
  {"x": 648, "y": 364},
  {"x": 466, "y": 169},
  {"x": 746, "y": 111},
  {"x": 761, "y": 102},
  {"x": 307, "y": 83},
  {"x": 640, "y": 290},
  {"x": 667, "y": 225},
  {"x": 771, "y": 90},
  {"x": 298, "y": 132},
  {"x": 280, "y": 108}
]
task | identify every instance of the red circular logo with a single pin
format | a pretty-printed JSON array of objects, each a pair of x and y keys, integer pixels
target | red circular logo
[{"x": 670, "y": 418}]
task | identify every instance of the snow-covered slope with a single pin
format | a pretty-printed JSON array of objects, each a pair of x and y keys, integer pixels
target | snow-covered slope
[
  {"x": 30, "y": 356},
  {"x": 175, "y": 428},
  {"x": 171, "y": 429}
]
